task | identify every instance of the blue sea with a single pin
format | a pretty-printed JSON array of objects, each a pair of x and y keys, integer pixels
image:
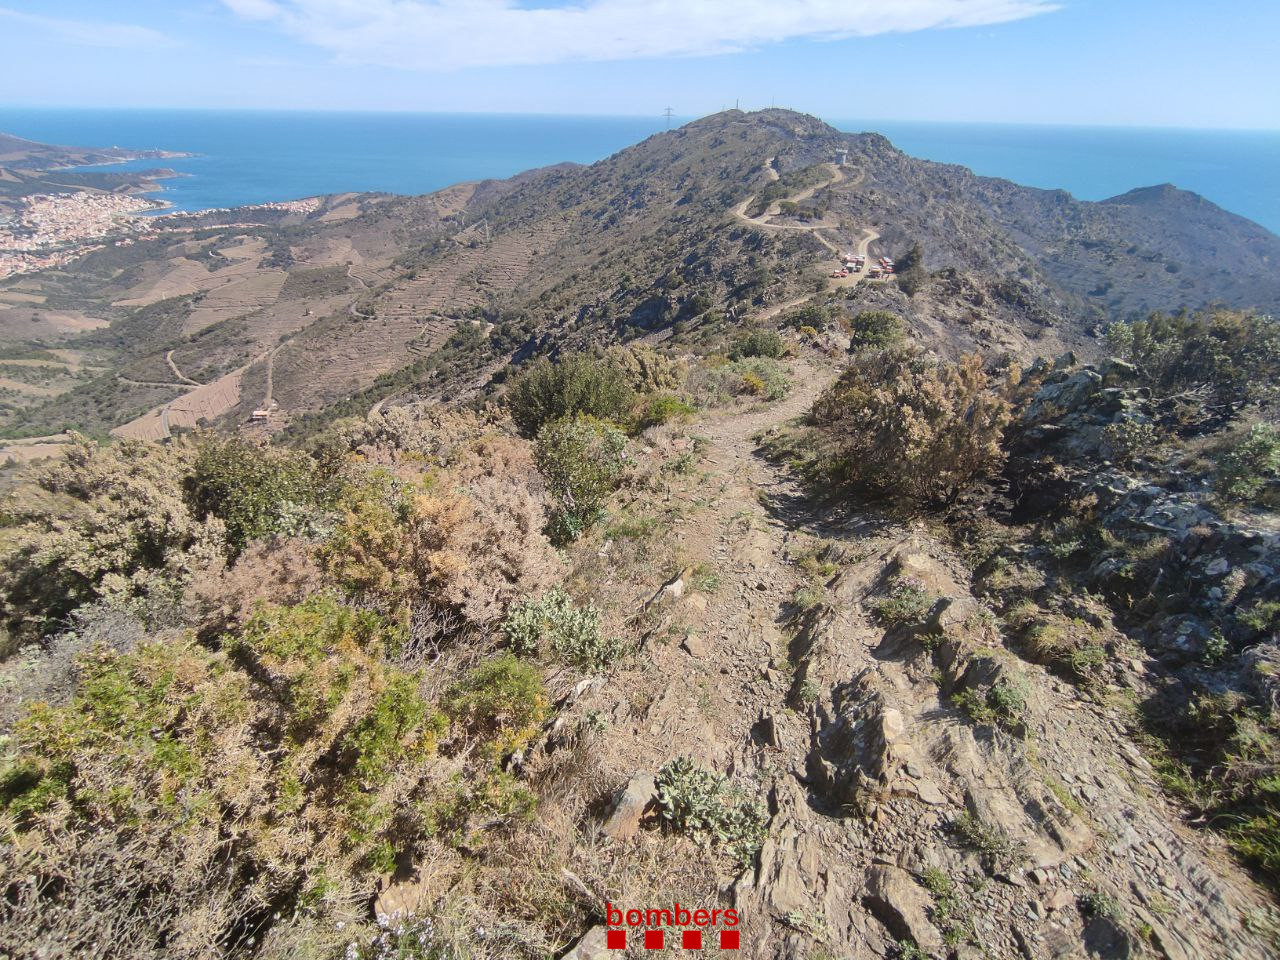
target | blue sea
[{"x": 255, "y": 157}]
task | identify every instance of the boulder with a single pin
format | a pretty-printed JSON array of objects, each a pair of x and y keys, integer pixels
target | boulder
[
  {"x": 858, "y": 750},
  {"x": 960, "y": 619},
  {"x": 673, "y": 589},
  {"x": 591, "y": 947},
  {"x": 694, "y": 645},
  {"x": 902, "y": 905},
  {"x": 629, "y": 807},
  {"x": 1069, "y": 394}
]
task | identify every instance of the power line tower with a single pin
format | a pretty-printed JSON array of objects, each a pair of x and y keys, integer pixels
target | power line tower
[{"x": 668, "y": 113}]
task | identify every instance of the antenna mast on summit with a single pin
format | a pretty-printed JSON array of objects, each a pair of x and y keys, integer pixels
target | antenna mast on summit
[{"x": 667, "y": 113}]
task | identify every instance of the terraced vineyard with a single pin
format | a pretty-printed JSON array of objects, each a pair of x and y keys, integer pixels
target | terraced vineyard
[
  {"x": 236, "y": 299},
  {"x": 409, "y": 320},
  {"x": 204, "y": 403}
]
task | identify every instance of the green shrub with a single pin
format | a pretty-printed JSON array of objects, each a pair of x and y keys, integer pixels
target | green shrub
[
  {"x": 1229, "y": 357},
  {"x": 572, "y": 632},
  {"x": 465, "y": 810},
  {"x": 646, "y": 370},
  {"x": 1262, "y": 617},
  {"x": 999, "y": 851},
  {"x": 876, "y": 330},
  {"x": 1003, "y": 703},
  {"x": 582, "y": 460},
  {"x": 807, "y": 596},
  {"x": 946, "y": 911},
  {"x": 914, "y": 257},
  {"x": 1245, "y": 469},
  {"x": 903, "y": 425},
  {"x": 757, "y": 376},
  {"x": 1129, "y": 440},
  {"x": 816, "y": 316},
  {"x": 180, "y": 781},
  {"x": 1099, "y": 903},
  {"x": 401, "y": 726},
  {"x": 907, "y": 603},
  {"x": 1071, "y": 646},
  {"x": 258, "y": 491},
  {"x": 570, "y": 386},
  {"x": 663, "y": 408},
  {"x": 502, "y": 702},
  {"x": 757, "y": 343},
  {"x": 705, "y": 806},
  {"x": 131, "y": 716},
  {"x": 1233, "y": 745},
  {"x": 308, "y": 650}
]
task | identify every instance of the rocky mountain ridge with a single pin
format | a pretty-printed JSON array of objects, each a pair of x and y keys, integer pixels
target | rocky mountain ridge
[{"x": 629, "y": 246}]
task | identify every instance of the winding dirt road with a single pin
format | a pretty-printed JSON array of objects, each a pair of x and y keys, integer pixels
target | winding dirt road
[
  {"x": 168, "y": 358},
  {"x": 764, "y": 220}
]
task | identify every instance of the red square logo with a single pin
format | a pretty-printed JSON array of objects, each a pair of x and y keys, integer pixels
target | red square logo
[
  {"x": 691, "y": 940},
  {"x": 653, "y": 939},
  {"x": 728, "y": 939},
  {"x": 616, "y": 940}
]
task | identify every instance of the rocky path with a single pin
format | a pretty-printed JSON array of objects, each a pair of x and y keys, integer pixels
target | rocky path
[{"x": 852, "y": 732}]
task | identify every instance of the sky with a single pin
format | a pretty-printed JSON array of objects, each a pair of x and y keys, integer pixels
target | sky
[{"x": 1161, "y": 63}]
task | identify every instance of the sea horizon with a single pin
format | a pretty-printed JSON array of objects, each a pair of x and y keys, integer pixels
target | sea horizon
[{"x": 248, "y": 156}]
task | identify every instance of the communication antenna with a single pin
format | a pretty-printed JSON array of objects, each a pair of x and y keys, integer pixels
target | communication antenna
[{"x": 667, "y": 113}]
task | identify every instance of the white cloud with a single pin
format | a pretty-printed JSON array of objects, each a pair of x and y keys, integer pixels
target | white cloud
[
  {"x": 253, "y": 9},
  {"x": 91, "y": 33},
  {"x": 452, "y": 34}
]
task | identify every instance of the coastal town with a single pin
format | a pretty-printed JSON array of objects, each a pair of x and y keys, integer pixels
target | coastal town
[{"x": 51, "y": 230}]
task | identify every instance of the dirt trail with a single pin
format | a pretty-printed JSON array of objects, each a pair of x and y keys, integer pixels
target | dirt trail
[
  {"x": 358, "y": 279},
  {"x": 727, "y": 527},
  {"x": 869, "y": 237},
  {"x": 271, "y": 377},
  {"x": 1076, "y": 796},
  {"x": 156, "y": 383},
  {"x": 199, "y": 401},
  {"x": 168, "y": 358}
]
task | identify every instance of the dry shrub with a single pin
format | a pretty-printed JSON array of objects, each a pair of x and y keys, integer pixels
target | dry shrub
[
  {"x": 499, "y": 457},
  {"x": 114, "y": 805},
  {"x": 1070, "y": 646},
  {"x": 96, "y": 895},
  {"x": 102, "y": 523},
  {"x": 1226, "y": 357},
  {"x": 647, "y": 370},
  {"x": 421, "y": 432},
  {"x": 447, "y": 528},
  {"x": 906, "y": 425},
  {"x": 282, "y": 571},
  {"x": 48, "y": 671},
  {"x": 466, "y": 549}
]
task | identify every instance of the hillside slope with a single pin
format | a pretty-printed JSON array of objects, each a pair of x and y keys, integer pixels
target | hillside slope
[
  {"x": 652, "y": 239},
  {"x": 632, "y": 557}
]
